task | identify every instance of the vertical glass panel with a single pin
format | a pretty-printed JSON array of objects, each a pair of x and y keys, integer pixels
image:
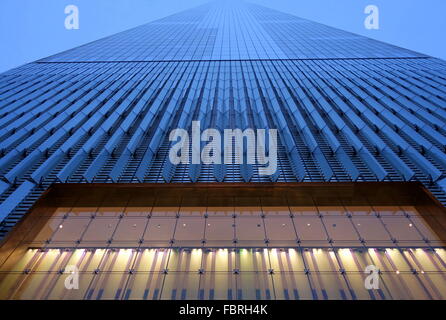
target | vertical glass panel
[
  {"x": 48, "y": 229},
  {"x": 355, "y": 260},
  {"x": 357, "y": 287},
  {"x": 280, "y": 231},
  {"x": 129, "y": 231},
  {"x": 402, "y": 286},
  {"x": 87, "y": 260},
  {"x": 60, "y": 292},
  {"x": 217, "y": 286},
  {"x": 426, "y": 231},
  {"x": 108, "y": 286},
  {"x": 292, "y": 286},
  {"x": 252, "y": 260},
  {"x": 118, "y": 260},
  {"x": 422, "y": 259},
  {"x": 99, "y": 231},
  {"x": 436, "y": 284},
  {"x": 71, "y": 231},
  {"x": 160, "y": 231},
  {"x": 218, "y": 260},
  {"x": 286, "y": 260},
  {"x": 50, "y": 260},
  {"x": 181, "y": 286},
  {"x": 372, "y": 231},
  {"x": 151, "y": 260},
  {"x": 9, "y": 282},
  {"x": 185, "y": 260},
  {"x": 144, "y": 286},
  {"x": 22, "y": 260},
  {"x": 441, "y": 254},
  {"x": 32, "y": 286},
  {"x": 397, "y": 260},
  {"x": 403, "y": 230},
  {"x": 189, "y": 231},
  {"x": 254, "y": 286},
  {"x": 380, "y": 260},
  {"x": 220, "y": 231},
  {"x": 329, "y": 286},
  {"x": 321, "y": 260},
  {"x": 341, "y": 231},
  {"x": 310, "y": 231},
  {"x": 261, "y": 253},
  {"x": 250, "y": 231},
  {"x": 39, "y": 281}
]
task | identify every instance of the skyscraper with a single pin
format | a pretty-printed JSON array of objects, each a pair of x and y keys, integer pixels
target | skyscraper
[{"x": 360, "y": 177}]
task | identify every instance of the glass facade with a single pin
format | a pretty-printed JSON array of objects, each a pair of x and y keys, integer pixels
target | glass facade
[
  {"x": 231, "y": 30},
  {"x": 193, "y": 274},
  {"x": 319, "y": 226},
  {"x": 237, "y": 242}
]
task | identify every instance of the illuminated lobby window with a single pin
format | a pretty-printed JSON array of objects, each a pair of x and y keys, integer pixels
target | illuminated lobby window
[{"x": 228, "y": 242}]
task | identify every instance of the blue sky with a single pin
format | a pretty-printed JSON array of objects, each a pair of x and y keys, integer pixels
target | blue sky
[{"x": 34, "y": 29}]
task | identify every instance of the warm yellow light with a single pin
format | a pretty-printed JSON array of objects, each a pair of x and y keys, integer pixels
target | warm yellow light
[{"x": 125, "y": 251}]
